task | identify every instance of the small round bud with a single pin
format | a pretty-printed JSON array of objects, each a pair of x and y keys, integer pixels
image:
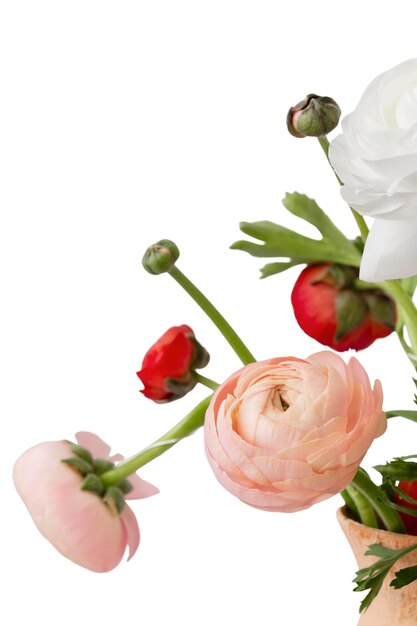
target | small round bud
[
  {"x": 314, "y": 116},
  {"x": 160, "y": 257}
]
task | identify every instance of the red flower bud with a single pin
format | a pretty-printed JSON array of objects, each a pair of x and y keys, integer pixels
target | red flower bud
[
  {"x": 410, "y": 521},
  {"x": 329, "y": 308},
  {"x": 167, "y": 368}
]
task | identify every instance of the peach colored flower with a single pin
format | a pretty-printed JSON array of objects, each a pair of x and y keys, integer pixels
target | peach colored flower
[
  {"x": 79, "y": 524},
  {"x": 286, "y": 433}
]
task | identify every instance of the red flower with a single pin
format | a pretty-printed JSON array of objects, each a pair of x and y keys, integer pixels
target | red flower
[
  {"x": 167, "y": 369},
  {"x": 330, "y": 309},
  {"x": 410, "y": 521}
]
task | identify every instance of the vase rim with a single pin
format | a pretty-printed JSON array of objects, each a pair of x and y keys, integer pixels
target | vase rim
[{"x": 345, "y": 520}]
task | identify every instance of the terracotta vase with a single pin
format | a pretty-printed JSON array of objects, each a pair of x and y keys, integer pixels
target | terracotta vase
[{"x": 391, "y": 607}]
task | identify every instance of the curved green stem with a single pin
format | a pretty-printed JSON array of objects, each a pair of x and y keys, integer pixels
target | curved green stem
[
  {"x": 404, "y": 301},
  {"x": 216, "y": 317},
  {"x": 359, "y": 219},
  {"x": 208, "y": 382},
  {"x": 375, "y": 496},
  {"x": 184, "y": 428}
]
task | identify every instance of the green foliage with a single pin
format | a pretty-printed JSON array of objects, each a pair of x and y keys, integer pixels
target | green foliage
[
  {"x": 398, "y": 469},
  {"x": 371, "y": 578},
  {"x": 281, "y": 242}
]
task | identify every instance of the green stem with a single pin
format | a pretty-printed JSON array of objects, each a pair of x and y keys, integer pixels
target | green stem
[
  {"x": 359, "y": 219},
  {"x": 350, "y": 505},
  {"x": 404, "y": 301},
  {"x": 216, "y": 317},
  {"x": 184, "y": 428},
  {"x": 363, "y": 508},
  {"x": 375, "y": 496},
  {"x": 208, "y": 382},
  {"x": 409, "y": 415}
]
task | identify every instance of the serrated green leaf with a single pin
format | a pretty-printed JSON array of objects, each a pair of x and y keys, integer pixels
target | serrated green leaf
[
  {"x": 307, "y": 209},
  {"x": 374, "y": 590},
  {"x": 398, "y": 469},
  {"x": 373, "y": 576},
  {"x": 283, "y": 242},
  {"x": 404, "y": 577}
]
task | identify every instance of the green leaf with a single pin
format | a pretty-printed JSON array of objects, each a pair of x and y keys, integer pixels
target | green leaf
[
  {"x": 373, "y": 576},
  {"x": 375, "y": 588},
  {"x": 404, "y": 577},
  {"x": 279, "y": 241},
  {"x": 282, "y": 242},
  {"x": 307, "y": 209},
  {"x": 275, "y": 268},
  {"x": 398, "y": 469},
  {"x": 403, "y": 495},
  {"x": 257, "y": 250},
  {"x": 403, "y": 509}
]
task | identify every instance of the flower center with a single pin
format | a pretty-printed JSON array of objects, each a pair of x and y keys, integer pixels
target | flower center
[{"x": 279, "y": 399}]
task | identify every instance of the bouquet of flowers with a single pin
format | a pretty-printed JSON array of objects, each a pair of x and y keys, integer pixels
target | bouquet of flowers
[{"x": 284, "y": 433}]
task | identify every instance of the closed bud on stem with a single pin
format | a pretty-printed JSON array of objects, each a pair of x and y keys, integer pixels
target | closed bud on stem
[
  {"x": 168, "y": 366},
  {"x": 160, "y": 257},
  {"x": 315, "y": 116}
]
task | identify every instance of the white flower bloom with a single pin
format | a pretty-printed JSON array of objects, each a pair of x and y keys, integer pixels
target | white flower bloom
[{"x": 376, "y": 158}]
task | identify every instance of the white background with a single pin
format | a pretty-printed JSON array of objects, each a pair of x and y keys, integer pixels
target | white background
[{"x": 123, "y": 123}]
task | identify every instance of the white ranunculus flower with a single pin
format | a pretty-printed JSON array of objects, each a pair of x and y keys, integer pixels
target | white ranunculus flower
[{"x": 376, "y": 158}]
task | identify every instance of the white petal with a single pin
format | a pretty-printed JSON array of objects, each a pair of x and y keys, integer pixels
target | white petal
[{"x": 390, "y": 250}]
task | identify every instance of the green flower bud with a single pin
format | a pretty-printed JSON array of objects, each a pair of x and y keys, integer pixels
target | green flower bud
[
  {"x": 314, "y": 116},
  {"x": 160, "y": 257}
]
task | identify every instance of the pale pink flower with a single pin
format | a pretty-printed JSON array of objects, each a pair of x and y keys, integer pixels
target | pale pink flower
[
  {"x": 286, "y": 433},
  {"x": 79, "y": 524}
]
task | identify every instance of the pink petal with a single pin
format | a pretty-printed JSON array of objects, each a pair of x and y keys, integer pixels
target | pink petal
[
  {"x": 131, "y": 528},
  {"x": 141, "y": 488},
  {"x": 93, "y": 444}
]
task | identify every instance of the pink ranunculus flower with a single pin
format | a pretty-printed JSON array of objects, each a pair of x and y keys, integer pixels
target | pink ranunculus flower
[
  {"x": 286, "y": 433},
  {"x": 79, "y": 524}
]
